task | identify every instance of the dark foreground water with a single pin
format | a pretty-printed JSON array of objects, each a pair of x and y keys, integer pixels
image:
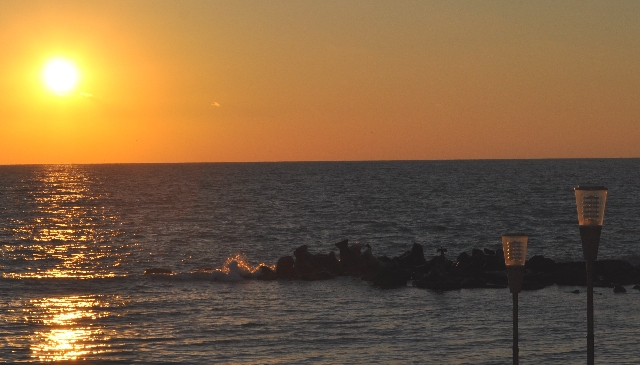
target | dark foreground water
[{"x": 75, "y": 240}]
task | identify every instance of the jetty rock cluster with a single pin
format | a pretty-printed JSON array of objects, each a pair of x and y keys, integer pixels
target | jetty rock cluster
[{"x": 480, "y": 269}]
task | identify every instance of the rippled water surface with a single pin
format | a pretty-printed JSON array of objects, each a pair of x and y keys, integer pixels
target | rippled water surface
[{"x": 75, "y": 240}]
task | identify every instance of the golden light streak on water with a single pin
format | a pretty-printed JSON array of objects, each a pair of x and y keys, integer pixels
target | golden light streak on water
[
  {"x": 58, "y": 345},
  {"x": 69, "y": 224},
  {"x": 70, "y": 331},
  {"x": 60, "y": 274}
]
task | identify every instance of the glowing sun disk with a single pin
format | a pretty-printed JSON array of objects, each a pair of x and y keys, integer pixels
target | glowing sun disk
[{"x": 60, "y": 75}]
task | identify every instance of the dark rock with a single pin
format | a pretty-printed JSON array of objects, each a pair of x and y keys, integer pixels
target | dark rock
[
  {"x": 619, "y": 289},
  {"x": 615, "y": 271},
  {"x": 157, "y": 270},
  {"x": 370, "y": 265},
  {"x": 476, "y": 252},
  {"x": 384, "y": 259},
  {"x": 304, "y": 262},
  {"x": 422, "y": 269},
  {"x": 265, "y": 273},
  {"x": 494, "y": 263},
  {"x": 413, "y": 257},
  {"x": 575, "y": 291},
  {"x": 441, "y": 277},
  {"x": 441, "y": 264},
  {"x": 463, "y": 258},
  {"x": 570, "y": 274},
  {"x": 308, "y": 266},
  {"x": 356, "y": 249},
  {"x": 463, "y": 265},
  {"x": 496, "y": 279},
  {"x": 327, "y": 262},
  {"x": 348, "y": 259},
  {"x": 367, "y": 254},
  {"x": 472, "y": 283},
  {"x": 537, "y": 280},
  {"x": 332, "y": 257},
  {"x": 284, "y": 268},
  {"x": 606, "y": 273},
  {"x": 540, "y": 264},
  {"x": 477, "y": 263},
  {"x": 438, "y": 263},
  {"x": 482, "y": 269},
  {"x": 637, "y": 287},
  {"x": 500, "y": 253},
  {"x": 316, "y": 275},
  {"x": 390, "y": 278},
  {"x": 396, "y": 272}
]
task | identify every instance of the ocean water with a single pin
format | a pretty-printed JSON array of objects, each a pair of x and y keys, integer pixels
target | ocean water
[{"x": 76, "y": 239}]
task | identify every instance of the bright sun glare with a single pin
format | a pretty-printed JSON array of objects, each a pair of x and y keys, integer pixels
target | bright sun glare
[{"x": 60, "y": 75}]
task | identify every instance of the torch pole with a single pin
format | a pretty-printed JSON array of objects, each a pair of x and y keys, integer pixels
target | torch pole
[
  {"x": 590, "y": 202},
  {"x": 590, "y": 236},
  {"x": 590, "y": 335},
  {"x": 516, "y": 350}
]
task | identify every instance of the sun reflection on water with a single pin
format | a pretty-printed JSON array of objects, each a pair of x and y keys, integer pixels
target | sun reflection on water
[
  {"x": 68, "y": 326},
  {"x": 67, "y": 229},
  {"x": 56, "y": 345}
]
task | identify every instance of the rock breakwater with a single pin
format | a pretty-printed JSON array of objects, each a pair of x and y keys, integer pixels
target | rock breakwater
[{"x": 482, "y": 268}]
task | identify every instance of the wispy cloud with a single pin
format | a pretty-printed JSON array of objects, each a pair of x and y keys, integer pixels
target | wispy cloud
[
  {"x": 85, "y": 95},
  {"x": 215, "y": 104}
]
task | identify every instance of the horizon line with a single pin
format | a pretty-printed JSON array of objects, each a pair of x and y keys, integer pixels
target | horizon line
[{"x": 320, "y": 161}]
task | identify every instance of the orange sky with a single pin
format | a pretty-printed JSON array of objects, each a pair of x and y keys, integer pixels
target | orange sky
[{"x": 192, "y": 81}]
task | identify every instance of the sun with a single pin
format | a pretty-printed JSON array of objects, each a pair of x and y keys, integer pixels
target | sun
[{"x": 60, "y": 75}]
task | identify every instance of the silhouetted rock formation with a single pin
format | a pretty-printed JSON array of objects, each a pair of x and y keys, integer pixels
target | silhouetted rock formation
[
  {"x": 617, "y": 272},
  {"x": 266, "y": 273},
  {"x": 284, "y": 268},
  {"x": 308, "y": 266},
  {"x": 412, "y": 258},
  {"x": 483, "y": 268},
  {"x": 348, "y": 258}
]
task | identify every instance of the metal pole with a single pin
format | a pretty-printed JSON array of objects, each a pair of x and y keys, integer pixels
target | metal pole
[
  {"x": 515, "y": 329},
  {"x": 590, "y": 335}
]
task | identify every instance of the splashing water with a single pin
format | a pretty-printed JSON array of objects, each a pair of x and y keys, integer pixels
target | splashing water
[
  {"x": 243, "y": 266},
  {"x": 235, "y": 268}
]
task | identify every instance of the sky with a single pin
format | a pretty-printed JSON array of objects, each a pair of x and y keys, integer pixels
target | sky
[{"x": 235, "y": 81}]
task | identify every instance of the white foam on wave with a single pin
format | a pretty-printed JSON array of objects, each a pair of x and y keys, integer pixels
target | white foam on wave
[{"x": 235, "y": 269}]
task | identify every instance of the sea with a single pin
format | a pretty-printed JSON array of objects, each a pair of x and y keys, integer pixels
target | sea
[{"x": 75, "y": 241}]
